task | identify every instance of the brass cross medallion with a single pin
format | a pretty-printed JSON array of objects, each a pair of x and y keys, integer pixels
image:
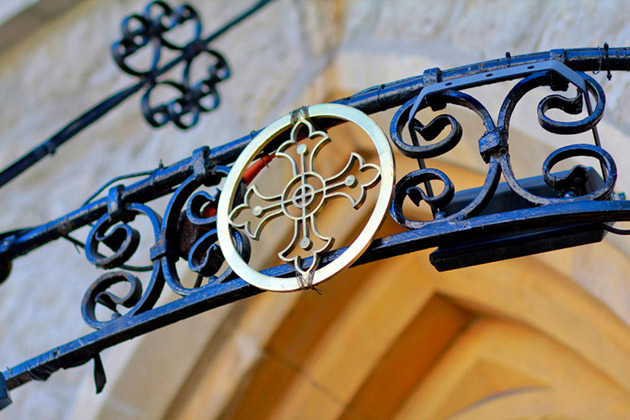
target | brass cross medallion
[{"x": 304, "y": 197}]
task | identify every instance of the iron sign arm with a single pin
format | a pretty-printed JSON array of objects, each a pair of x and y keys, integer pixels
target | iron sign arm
[
  {"x": 113, "y": 215},
  {"x": 206, "y": 167}
]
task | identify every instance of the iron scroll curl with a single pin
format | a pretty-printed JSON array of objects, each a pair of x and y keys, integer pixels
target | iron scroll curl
[
  {"x": 493, "y": 144},
  {"x": 187, "y": 231},
  {"x": 409, "y": 185},
  {"x": 570, "y": 106},
  {"x": 123, "y": 240},
  {"x": 186, "y": 208},
  {"x": 150, "y": 30}
]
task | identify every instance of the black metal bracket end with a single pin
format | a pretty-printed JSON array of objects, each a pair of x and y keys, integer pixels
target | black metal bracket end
[{"x": 5, "y": 398}]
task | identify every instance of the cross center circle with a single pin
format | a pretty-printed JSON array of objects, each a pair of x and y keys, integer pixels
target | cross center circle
[{"x": 303, "y": 196}]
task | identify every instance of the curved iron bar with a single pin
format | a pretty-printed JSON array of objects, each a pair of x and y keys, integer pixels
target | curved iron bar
[
  {"x": 192, "y": 209},
  {"x": 80, "y": 351}
]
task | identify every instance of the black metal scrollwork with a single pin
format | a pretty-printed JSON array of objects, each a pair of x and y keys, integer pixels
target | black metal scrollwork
[
  {"x": 123, "y": 240},
  {"x": 151, "y": 30},
  {"x": 98, "y": 294},
  {"x": 192, "y": 98},
  {"x": 204, "y": 256},
  {"x": 493, "y": 144},
  {"x": 572, "y": 106},
  {"x": 408, "y": 186},
  {"x": 428, "y": 132},
  {"x": 192, "y": 233},
  {"x": 188, "y": 233},
  {"x": 566, "y": 184}
]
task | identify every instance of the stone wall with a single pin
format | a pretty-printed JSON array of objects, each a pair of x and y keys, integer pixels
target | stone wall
[{"x": 292, "y": 53}]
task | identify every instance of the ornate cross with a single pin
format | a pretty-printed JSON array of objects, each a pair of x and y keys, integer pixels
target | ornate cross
[
  {"x": 300, "y": 200},
  {"x": 303, "y": 197}
]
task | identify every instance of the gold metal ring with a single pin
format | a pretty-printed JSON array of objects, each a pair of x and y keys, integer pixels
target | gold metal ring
[{"x": 303, "y": 195}]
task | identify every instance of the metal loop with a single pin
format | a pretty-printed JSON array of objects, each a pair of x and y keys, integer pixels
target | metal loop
[
  {"x": 607, "y": 58},
  {"x": 115, "y": 203},
  {"x": 300, "y": 114},
  {"x": 201, "y": 163}
]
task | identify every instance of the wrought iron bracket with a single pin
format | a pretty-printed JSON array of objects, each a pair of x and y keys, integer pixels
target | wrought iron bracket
[{"x": 188, "y": 229}]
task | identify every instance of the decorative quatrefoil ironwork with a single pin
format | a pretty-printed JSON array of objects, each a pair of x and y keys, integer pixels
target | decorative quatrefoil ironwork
[
  {"x": 304, "y": 196},
  {"x": 151, "y": 31}
]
